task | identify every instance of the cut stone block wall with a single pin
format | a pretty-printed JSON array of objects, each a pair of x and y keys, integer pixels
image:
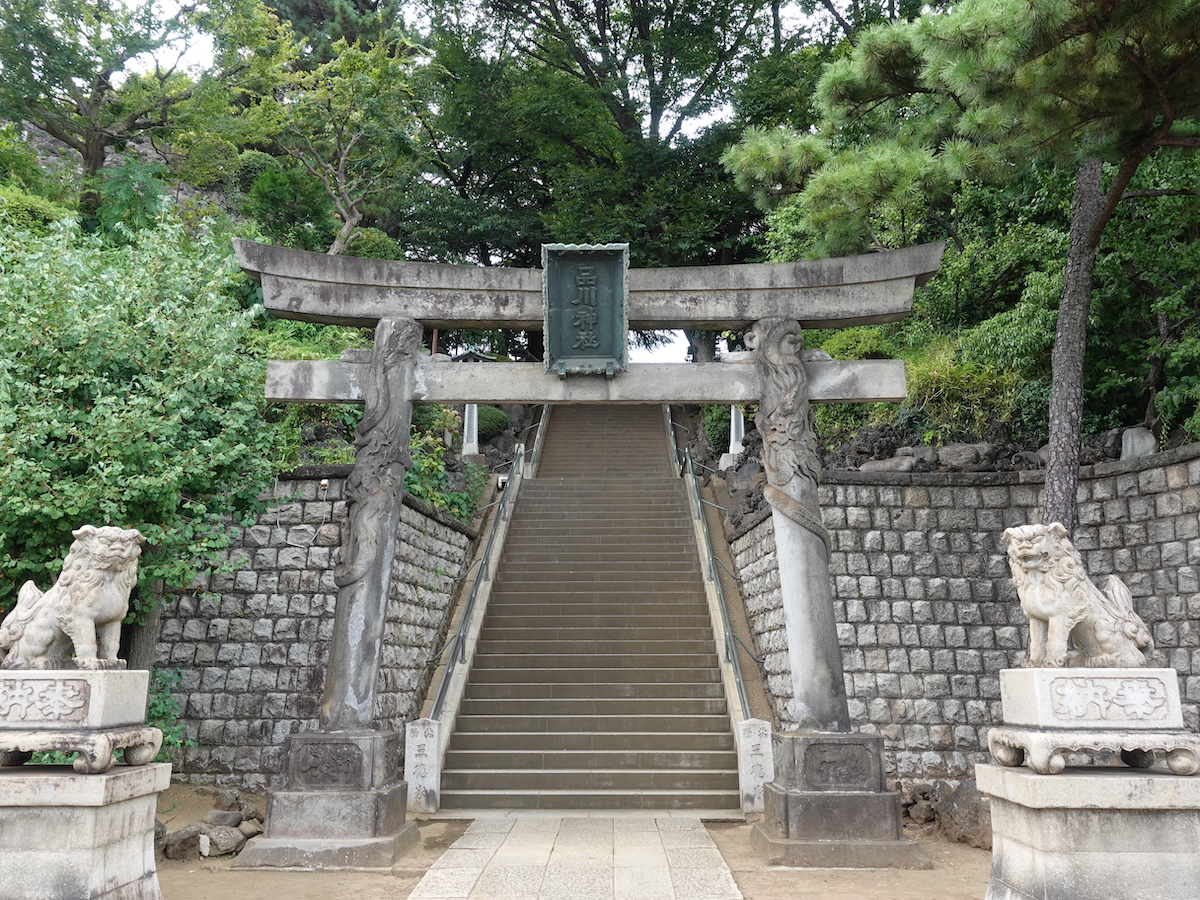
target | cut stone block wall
[
  {"x": 927, "y": 614},
  {"x": 251, "y": 645}
]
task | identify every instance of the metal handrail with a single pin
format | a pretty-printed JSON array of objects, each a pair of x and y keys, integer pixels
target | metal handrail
[
  {"x": 697, "y": 501},
  {"x": 457, "y": 642}
]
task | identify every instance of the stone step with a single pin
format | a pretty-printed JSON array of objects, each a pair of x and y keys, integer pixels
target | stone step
[
  {"x": 593, "y": 660},
  {"x": 502, "y": 615},
  {"x": 527, "y": 674},
  {"x": 624, "y": 556},
  {"x": 601, "y": 799},
  {"x": 600, "y": 601},
  {"x": 658, "y": 637},
  {"x": 582, "y": 741},
  {"x": 724, "y": 760},
  {"x": 534, "y": 645},
  {"x": 585, "y": 706},
  {"x": 496, "y": 724},
  {"x": 596, "y": 683},
  {"x": 654, "y": 690},
  {"x": 590, "y": 779}
]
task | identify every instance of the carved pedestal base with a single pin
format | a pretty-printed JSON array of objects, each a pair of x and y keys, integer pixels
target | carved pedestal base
[
  {"x": 1050, "y": 713},
  {"x": 96, "y": 749},
  {"x": 828, "y": 807},
  {"x": 1092, "y": 834},
  {"x": 79, "y": 837},
  {"x": 93, "y": 712},
  {"x": 343, "y": 806},
  {"x": 1045, "y": 751}
]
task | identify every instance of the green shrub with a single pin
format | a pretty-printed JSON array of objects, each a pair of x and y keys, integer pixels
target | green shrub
[
  {"x": 163, "y": 712},
  {"x": 251, "y": 164},
  {"x": 492, "y": 422},
  {"x": 19, "y": 161},
  {"x": 126, "y": 398},
  {"x": 207, "y": 160},
  {"x": 959, "y": 399},
  {"x": 716, "y": 426},
  {"x": 133, "y": 197},
  {"x": 371, "y": 243},
  {"x": 20, "y": 211},
  {"x": 1017, "y": 340},
  {"x": 293, "y": 209},
  {"x": 859, "y": 343}
]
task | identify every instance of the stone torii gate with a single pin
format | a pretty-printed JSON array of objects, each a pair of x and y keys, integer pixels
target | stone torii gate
[{"x": 773, "y": 301}]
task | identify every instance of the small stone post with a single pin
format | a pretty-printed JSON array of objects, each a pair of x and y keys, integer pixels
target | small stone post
[
  {"x": 471, "y": 430},
  {"x": 737, "y": 432}
]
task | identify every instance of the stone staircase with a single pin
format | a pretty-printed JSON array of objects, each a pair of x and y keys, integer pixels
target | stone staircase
[{"x": 595, "y": 683}]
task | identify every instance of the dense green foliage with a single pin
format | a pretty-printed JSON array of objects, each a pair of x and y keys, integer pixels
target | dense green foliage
[
  {"x": 492, "y": 421},
  {"x": 126, "y": 398},
  {"x": 488, "y": 128}
]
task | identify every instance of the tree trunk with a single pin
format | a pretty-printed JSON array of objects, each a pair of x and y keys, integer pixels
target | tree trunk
[
  {"x": 703, "y": 344},
  {"x": 1070, "y": 341},
  {"x": 343, "y": 236},
  {"x": 94, "y": 153}
]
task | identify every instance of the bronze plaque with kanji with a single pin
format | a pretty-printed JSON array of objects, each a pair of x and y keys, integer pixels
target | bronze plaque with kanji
[{"x": 585, "y": 288}]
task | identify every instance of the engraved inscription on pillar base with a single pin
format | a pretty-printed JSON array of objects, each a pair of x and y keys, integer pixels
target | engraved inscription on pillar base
[{"x": 342, "y": 760}]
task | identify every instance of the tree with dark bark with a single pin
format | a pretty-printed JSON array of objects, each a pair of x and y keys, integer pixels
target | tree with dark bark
[
  {"x": 1097, "y": 85},
  {"x": 94, "y": 75}
]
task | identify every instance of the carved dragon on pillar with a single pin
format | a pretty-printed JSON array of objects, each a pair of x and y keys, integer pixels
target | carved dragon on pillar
[{"x": 785, "y": 421}]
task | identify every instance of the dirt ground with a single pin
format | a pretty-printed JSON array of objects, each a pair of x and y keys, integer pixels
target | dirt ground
[{"x": 960, "y": 872}]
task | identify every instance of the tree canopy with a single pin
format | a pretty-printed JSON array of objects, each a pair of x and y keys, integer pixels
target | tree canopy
[
  {"x": 919, "y": 107},
  {"x": 96, "y": 75}
]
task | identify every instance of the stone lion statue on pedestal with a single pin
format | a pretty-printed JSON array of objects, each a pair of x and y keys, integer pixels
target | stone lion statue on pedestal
[
  {"x": 1061, "y": 602},
  {"x": 83, "y": 610}
]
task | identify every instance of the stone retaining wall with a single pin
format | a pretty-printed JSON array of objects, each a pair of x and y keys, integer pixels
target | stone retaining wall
[
  {"x": 926, "y": 610},
  {"x": 927, "y": 614},
  {"x": 251, "y": 644}
]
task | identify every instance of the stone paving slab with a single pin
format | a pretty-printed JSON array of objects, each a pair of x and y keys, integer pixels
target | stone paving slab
[{"x": 580, "y": 857}]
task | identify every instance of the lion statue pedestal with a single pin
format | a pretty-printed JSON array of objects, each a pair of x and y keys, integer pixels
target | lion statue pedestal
[
  {"x": 1091, "y": 799},
  {"x": 83, "y": 831}
]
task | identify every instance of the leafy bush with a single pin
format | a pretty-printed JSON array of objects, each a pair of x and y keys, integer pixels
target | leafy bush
[
  {"x": 18, "y": 161},
  {"x": 859, "y": 343},
  {"x": 126, "y": 398},
  {"x": 292, "y": 208},
  {"x": 132, "y": 197},
  {"x": 1017, "y": 340},
  {"x": 207, "y": 160},
  {"x": 251, "y": 164},
  {"x": 20, "y": 211},
  {"x": 163, "y": 712},
  {"x": 959, "y": 399},
  {"x": 492, "y": 422},
  {"x": 371, "y": 243},
  {"x": 716, "y": 426}
]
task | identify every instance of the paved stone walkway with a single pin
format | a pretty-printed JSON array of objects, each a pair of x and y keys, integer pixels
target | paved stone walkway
[{"x": 575, "y": 858}]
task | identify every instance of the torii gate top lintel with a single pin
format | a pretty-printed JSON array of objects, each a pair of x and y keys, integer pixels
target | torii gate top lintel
[{"x": 828, "y": 293}]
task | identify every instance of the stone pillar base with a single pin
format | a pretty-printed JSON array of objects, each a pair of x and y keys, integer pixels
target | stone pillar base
[
  {"x": 1092, "y": 834},
  {"x": 343, "y": 806},
  {"x": 900, "y": 853},
  {"x": 67, "y": 836},
  {"x": 361, "y": 854},
  {"x": 827, "y": 806}
]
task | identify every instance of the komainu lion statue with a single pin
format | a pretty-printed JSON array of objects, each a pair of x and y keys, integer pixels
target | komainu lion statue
[
  {"x": 83, "y": 609},
  {"x": 1060, "y": 601}
]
